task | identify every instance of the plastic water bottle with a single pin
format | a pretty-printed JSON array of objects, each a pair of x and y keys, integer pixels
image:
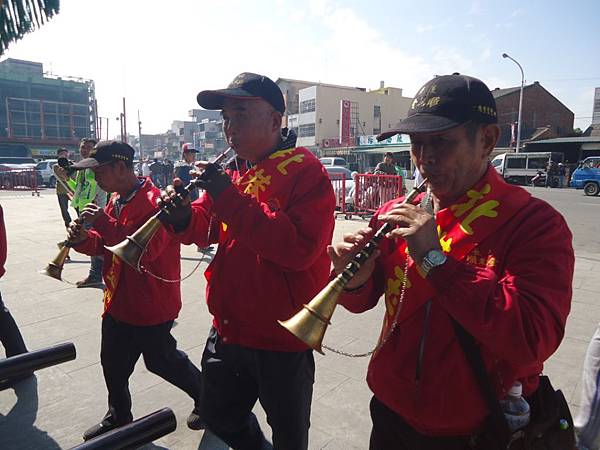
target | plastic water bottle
[{"x": 515, "y": 408}]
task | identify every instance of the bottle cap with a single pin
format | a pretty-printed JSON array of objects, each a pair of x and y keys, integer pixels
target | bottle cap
[{"x": 516, "y": 390}]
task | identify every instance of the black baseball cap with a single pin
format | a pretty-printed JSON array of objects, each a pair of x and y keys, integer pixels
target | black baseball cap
[
  {"x": 105, "y": 152},
  {"x": 245, "y": 85},
  {"x": 446, "y": 102}
]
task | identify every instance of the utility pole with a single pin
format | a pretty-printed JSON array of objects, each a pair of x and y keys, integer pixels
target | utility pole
[
  {"x": 140, "y": 134},
  {"x": 124, "y": 122}
]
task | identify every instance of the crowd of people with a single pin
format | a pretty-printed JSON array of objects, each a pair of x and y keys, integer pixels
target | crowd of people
[{"x": 471, "y": 260}]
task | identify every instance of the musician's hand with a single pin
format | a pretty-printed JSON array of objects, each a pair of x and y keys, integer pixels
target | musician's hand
[
  {"x": 60, "y": 172},
  {"x": 416, "y": 226},
  {"x": 76, "y": 233},
  {"x": 211, "y": 178},
  {"x": 341, "y": 254},
  {"x": 90, "y": 213},
  {"x": 178, "y": 211}
]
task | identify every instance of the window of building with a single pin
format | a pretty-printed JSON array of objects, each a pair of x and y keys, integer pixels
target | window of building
[
  {"x": 306, "y": 130},
  {"x": 307, "y": 106}
]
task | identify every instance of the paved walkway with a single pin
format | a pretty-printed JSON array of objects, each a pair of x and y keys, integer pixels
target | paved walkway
[{"x": 53, "y": 409}]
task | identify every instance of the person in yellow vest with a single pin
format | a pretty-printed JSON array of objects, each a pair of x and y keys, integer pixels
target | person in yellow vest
[{"x": 86, "y": 190}]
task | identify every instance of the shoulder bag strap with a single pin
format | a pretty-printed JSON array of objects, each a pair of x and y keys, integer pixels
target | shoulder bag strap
[{"x": 475, "y": 360}]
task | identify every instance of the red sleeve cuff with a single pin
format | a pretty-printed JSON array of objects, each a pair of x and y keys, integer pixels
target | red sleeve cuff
[
  {"x": 102, "y": 223},
  {"x": 441, "y": 277}
]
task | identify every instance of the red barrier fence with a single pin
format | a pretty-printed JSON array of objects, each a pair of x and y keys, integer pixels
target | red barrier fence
[
  {"x": 19, "y": 180},
  {"x": 341, "y": 188},
  {"x": 372, "y": 191}
]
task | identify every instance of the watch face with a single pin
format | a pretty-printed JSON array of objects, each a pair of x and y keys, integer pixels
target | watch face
[{"x": 436, "y": 257}]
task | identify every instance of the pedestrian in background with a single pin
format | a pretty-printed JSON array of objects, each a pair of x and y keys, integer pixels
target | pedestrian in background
[
  {"x": 61, "y": 189},
  {"x": 184, "y": 165},
  {"x": 86, "y": 191},
  {"x": 387, "y": 166}
]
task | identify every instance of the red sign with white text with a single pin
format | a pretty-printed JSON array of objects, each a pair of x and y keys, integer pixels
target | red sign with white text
[{"x": 345, "y": 122}]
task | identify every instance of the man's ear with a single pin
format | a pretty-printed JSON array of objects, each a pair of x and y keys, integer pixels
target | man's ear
[
  {"x": 490, "y": 135},
  {"x": 277, "y": 119}
]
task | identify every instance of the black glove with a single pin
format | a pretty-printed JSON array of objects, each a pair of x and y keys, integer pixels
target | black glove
[
  {"x": 213, "y": 180},
  {"x": 179, "y": 212}
]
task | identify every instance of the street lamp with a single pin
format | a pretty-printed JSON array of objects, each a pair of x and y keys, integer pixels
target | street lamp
[{"x": 505, "y": 55}]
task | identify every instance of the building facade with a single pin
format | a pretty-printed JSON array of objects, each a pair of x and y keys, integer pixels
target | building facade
[
  {"x": 543, "y": 115},
  {"x": 44, "y": 112},
  {"x": 336, "y": 116}
]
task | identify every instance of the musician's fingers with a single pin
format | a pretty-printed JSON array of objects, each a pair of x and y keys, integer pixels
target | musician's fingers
[{"x": 358, "y": 237}]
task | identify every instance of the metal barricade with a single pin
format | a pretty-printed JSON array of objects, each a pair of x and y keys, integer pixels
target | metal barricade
[
  {"x": 19, "y": 180},
  {"x": 339, "y": 184},
  {"x": 372, "y": 191}
]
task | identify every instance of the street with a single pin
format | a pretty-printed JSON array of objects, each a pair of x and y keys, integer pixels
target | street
[{"x": 52, "y": 410}]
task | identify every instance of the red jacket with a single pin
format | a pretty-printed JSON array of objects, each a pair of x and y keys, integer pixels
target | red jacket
[
  {"x": 516, "y": 310},
  {"x": 139, "y": 299},
  {"x": 272, "y": 257}
]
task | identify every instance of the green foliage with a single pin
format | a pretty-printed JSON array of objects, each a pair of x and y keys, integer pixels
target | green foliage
[{"x": 18, "y": 17}]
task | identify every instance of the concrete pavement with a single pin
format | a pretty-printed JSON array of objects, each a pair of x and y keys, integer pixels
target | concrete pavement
[{"x": 52, "y": 410}]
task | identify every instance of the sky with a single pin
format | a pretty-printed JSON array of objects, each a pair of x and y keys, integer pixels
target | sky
[{"x": 159, "y": 55}]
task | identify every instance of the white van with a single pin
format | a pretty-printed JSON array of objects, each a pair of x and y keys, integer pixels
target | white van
[
  {"x": 331, "y": 161},
  {"x": 520, "y": 168},
  {"x": 44, "y": 168}
]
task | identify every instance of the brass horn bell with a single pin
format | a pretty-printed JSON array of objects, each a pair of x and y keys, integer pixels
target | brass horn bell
[
  {"x": 55, "y": 267},
  {"x": 132, "y": 249},
  {"x": 310, "y": 323}
]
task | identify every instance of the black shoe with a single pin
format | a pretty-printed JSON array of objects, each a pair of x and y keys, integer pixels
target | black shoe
[
  {"x": 90, "y": 282},
  {"x": 194, "y": 421},
  {"x": 100, "y": 428}
]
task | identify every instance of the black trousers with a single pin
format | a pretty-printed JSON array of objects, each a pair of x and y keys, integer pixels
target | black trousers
[
  {"x": 235, "y": 377},
  {"x": 122, "y": 345},
  {"x": 10, "y": 336},
  {"x": 391, "y": 432},
  {"x": 63, "y": 202}
]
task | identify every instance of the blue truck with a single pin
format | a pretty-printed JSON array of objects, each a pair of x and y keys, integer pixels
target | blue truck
[{"x": 587, "y": 176}]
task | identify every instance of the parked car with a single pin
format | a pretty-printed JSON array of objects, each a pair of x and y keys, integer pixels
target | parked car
[
  {"x": 587, "y": 176},
  {"x": 44, "y": 168},
  {"x": 334, "y": 162},
  {"x": 336, "y": 174}
]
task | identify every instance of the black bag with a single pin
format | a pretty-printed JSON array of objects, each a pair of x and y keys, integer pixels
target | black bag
[{"x": 550, "y": 426}]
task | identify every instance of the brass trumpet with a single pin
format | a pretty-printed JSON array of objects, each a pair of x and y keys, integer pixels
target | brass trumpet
[
  {"x": 133, "y": 247},
  {"x": 55, "y": 267},
  {"x": 309, "y": 324}
]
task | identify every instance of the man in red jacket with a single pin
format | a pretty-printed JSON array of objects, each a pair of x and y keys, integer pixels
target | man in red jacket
[
  {"x": 273, "y": 224},
  {"x": 139, "y": 308},
  {"x": 10, "y": 336},
  {"x": 475, "y": 251}
]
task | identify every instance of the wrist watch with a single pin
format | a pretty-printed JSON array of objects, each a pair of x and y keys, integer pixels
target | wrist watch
[{"x": 432, "y": 259}]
